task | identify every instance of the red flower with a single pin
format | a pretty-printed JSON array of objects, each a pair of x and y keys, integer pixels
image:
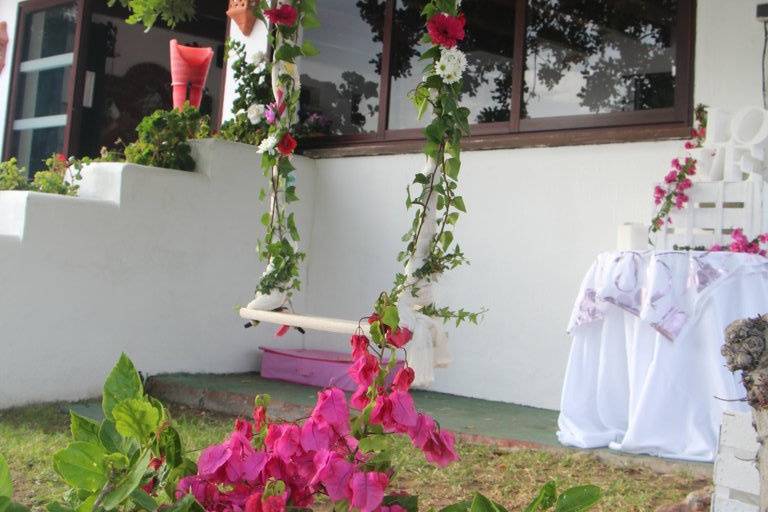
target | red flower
[
  {"x": 61, "y": 158},
  {"x": 287, "y": 145},
  {"x": 403, "y": 379},
  {"x": 283, "y": 15},
  {"x": 359, "y": 346},
  {"x": 400, "y": 337},
  {"x": 446, "y": 30}
]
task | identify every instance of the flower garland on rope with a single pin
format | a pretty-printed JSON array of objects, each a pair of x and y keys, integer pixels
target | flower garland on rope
[
  {"x": 678, "y": 179},
  {"x": 430, "y": 246},
  {"x": 279, "y": 245},
  {"x": 337, "y": 452}
]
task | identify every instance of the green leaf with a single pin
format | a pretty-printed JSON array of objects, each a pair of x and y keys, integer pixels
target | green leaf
[
  {"x": 122, "y": 383},
  {"x": 58, "y": 507},
  {"x": 445, "y": 239},
  {"x": 81, "y": 465},
  {"x": 136, "y": 418},
  {"x": 308, "y": 49},
  {"x": 452, "y": 167},
  {"x": 111, "y": 440},
  {"x": 458, "y": 203},
  {"x": 391, "y": 318},
  {"x": 462, "y": 506},
  {"x": 482, "y": 504},
  {"x": 6, "y": 505},
  {"x": 577, "y": 499},
  {"x": 6, "y": 484},
  {"x": 373, "y": 443},
  {"x": 87, "y": 504},
  {"x": 432, "y": 53},
  {"x": 409, "y": 503},
  {"x": 170, "y": 447},
  {"x": 128, "y": 483},
  {"x": 545, "y": 499},
  {"x": 83, "y": 429},
  {"x": 143, "y": 500},
  {"x": 186, "y": 504},
  {"x": 310, "y": 21}
]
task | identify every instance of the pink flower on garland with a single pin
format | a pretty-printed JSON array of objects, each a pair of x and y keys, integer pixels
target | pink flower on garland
[
  {"x": 400, "y": 337},
  {"x": 445, "y": 30},
  {"x": 403, "y": 379},
  {"x": 364, "y": 370},
  {"x": 284, "y": 15},
  {"x": 658, "y": 194},
  {"x": 359, "y": 346},
  {"x": 671, "y": 177}
]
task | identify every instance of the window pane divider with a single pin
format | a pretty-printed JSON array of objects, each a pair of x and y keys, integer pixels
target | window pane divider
[
  {"x": 45, "y": 63},
  {"x": 518, "y": 71},
  {"x": 36, "y": 123}
]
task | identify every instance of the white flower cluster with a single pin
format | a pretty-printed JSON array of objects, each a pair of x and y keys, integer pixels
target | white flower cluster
[
  {"x": 256, "y": 113},
  {"x": 259, "y": 60},
  {"x": 268, "y": 144},
  {"x": 451, "y": 65}
]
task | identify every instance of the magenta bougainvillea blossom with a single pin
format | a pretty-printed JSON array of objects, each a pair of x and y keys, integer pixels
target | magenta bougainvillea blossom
[
  {"x": 267, "y": 467},
  {"x": 672, "y": 192}
]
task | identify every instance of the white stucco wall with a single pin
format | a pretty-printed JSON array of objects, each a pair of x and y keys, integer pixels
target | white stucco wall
[
  {"x": 161, "y": 273},
  {"x": 149, "y": 261},
  {"x": 537, "y": 217}
]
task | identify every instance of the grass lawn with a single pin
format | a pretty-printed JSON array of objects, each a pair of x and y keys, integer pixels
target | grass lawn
[{"x": 29, "y": 436}]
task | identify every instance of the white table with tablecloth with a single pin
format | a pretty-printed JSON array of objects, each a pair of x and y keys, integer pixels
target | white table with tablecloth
[{"x": 645, "y": 373}]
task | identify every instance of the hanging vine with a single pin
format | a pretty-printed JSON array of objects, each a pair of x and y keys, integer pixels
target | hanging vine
[
  {"x": 279, "y": 245},
  {"x": 431, "y": 248}
]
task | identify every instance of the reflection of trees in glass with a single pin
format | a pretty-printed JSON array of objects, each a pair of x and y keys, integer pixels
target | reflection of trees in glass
[
  {"x": 488, "y": 45},
  {"x": 331, "y": 109},
  {"x": 614, "y": 45}
]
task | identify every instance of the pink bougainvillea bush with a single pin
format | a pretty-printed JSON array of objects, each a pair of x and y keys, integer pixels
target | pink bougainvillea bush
[{"x": 340, "y": 451}]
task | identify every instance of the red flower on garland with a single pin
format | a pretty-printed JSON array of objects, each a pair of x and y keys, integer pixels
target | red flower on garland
[
  {"x": 284, "y": 15},
  {"x": 287, "y": 145},
  {"x": 446, "y": 30}
]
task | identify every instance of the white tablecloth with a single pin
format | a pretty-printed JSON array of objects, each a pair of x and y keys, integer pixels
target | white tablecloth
[{"x": 645, "y": 374}]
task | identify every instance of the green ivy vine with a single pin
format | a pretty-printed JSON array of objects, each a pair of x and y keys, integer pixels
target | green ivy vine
[
  {"x": 437, "y": 185},
  {"x": 279, "y": 247}
]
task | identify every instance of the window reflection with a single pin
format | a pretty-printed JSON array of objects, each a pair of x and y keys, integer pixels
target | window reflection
[
  {"x": 130, "y": 72},
  {"x": 50, "y": 32},
  {"x": 32, "y": 147},
  {"x": 340, "y": 86},
  {"x": 488, "y": 44},
  {"x": 587, "y": 56}
]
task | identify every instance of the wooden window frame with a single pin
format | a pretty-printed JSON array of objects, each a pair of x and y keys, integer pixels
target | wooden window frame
[
  {"x": 75, "y": 76},
  {"x": 657, "y": 124}
]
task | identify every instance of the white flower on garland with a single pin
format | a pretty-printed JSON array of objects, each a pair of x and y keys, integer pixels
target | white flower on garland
[
  {"x": 259, "y": 59},
  {"x": 255, "y": 113},
  {"x": 451, "y": 65},
  {"x": 268, "y": 144}
]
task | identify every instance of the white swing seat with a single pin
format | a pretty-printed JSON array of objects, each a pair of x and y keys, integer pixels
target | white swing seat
[{"x": 315, "y": 323}]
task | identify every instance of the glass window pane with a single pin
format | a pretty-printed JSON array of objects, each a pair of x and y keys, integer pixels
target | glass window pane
[
  {"x": 129, "y": 70},
  {"x": 340, "y": 86},
  {"x": 43, "y": 93},
  {"x": 50, "y": 32},
  {"x": 597, "y": 56},
  {"x": 488, "y": 44},
  {"x": 32, "y": 147}
]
